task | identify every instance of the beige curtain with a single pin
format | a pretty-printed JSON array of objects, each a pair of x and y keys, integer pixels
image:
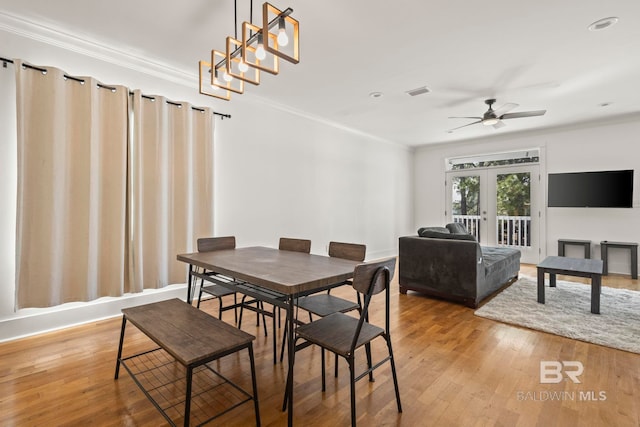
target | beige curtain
[
  {"x": 171, "y": 188},
  {"x": 72, "y": 174}
]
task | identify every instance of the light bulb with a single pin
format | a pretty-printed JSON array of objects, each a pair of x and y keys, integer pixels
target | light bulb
[
  {"x": 283, "y": 40},
  {"x": 243, "y": 67},
  {"x": 214, "y": 87},
  {"x": 227, "y": 77},
  {"x": 260, "y": 52},
  {"x": 216, "y": 83}
]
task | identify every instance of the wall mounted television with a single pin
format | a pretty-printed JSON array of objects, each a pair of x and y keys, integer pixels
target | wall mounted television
[{"x": 604, "y": 189}]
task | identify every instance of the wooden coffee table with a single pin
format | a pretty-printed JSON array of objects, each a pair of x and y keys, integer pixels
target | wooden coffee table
[{"x": 579, "y": 267}]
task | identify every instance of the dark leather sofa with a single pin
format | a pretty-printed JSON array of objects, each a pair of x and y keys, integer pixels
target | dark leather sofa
[{"x": 454, "y": 266}]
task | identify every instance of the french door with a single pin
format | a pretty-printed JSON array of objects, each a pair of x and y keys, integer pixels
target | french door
[{"x": 499, "y": 205}]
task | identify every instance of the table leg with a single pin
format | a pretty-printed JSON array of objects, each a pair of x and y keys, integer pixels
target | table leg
[
  {"x": 604, "y": 255},
  {"x": 596, "y": 285},
  {"x": 552, "y": 280},
  {"x": 540, "y": 285},
  {"x": 124, "y": 323},
  {"x": 189, "y": 284}
]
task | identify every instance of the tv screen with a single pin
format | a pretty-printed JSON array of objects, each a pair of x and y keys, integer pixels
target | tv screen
[{"x": 607, "y": 189}]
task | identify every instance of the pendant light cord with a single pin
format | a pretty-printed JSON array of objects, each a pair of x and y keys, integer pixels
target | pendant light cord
[{"x": 235, "y": 17}]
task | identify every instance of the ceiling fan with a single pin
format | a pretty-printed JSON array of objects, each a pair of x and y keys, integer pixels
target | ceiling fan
[{"x": 495, "y": 117}]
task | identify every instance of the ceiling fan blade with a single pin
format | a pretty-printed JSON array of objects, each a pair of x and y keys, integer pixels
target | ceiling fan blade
[
  {"x": 464, "y": 126},
  {"x": 522, "y": 114},
  {"x": 499, "y": 125},
  {"x": 477, "y": 118},
  {"x": 505, "y": 109}
]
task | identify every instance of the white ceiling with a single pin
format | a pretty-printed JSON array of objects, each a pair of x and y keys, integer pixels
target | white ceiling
[{"x": 538, "y": 54}]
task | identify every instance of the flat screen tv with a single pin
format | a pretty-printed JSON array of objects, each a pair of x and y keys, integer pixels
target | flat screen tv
[{"x": 605, "y": 189}]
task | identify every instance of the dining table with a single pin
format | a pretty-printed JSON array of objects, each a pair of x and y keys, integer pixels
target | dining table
[{"x": 274, "y": 276}]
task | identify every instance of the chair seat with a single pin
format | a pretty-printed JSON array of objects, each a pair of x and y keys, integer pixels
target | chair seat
[
  {"x": 217, "y": 290},
  {"x": 336, "y": 331},
  {"x": 325, "y": 304}
]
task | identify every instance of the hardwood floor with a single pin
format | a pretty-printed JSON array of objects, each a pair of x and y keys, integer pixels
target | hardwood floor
[{"x": 455, "y": 369}]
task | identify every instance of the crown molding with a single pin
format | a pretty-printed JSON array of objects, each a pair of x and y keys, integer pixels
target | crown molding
[
  {"x": 258, "y": 100},
  {"x": 56, "y": 37}
]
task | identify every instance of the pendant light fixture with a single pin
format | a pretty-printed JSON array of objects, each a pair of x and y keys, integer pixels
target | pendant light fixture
[{"x": 260, "y": 49}]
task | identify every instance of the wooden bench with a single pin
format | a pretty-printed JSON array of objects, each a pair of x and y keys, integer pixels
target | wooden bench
[{"x": 188, "y": 338}]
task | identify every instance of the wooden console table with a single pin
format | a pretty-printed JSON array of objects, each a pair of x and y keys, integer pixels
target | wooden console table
[
  {"x": 604, "y": 250},
  {"x": 188, "y": 340},
  {"x": 591, "y": 268},
  {"x": 585, "y": 243}
]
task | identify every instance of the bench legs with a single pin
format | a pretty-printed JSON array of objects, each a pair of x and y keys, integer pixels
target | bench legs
[
  {"x": 124, "y": 323},
  {"x": 256, "y": 406}
]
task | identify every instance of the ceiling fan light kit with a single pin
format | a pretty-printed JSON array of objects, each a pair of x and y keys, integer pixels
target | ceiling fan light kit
[{"x": 261, "y": 49}]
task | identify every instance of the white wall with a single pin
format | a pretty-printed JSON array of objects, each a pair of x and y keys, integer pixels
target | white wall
[
  {"x": 589, "y": 147},
  {"x": 276, "y": 174},
  {"x": 282, "y": 175}
]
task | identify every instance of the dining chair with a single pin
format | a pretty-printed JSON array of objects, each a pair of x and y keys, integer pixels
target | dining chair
[
  {"x": 217, "y": 288},
  {"x": 343, "y": 334},
  {"x": 284, "y": 244},
  {"x": 322, "y": 304},
  {"x": 294, "y": 245}
]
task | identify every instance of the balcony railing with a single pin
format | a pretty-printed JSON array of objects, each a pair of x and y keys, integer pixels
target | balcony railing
[
  {"x": 471, "y": 223},
  {"x": 510, "y": 230}
]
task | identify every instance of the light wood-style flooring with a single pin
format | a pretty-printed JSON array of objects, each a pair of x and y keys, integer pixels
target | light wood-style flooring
[{"x": 455, "y": 369}]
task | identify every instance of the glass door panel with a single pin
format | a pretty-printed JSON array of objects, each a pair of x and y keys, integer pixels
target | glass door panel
[
  {"x": 513, "y": 209},
  {"x": 465, "y": 203},
  {"x": 496, "y": 205}
]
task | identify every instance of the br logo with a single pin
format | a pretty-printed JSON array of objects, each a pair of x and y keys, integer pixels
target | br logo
[{"x": 553, "y": 372}]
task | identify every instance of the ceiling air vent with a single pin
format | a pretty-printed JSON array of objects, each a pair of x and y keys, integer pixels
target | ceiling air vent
[{"x": 419, "y": 91}]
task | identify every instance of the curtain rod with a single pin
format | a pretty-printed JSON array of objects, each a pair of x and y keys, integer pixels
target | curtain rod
[{"x": 102, "y": 86}]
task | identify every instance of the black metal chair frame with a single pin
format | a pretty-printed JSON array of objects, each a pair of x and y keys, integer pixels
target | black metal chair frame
[
  {"x": 221, "y": 285},
  {"x": 260, "y": 296},
  {"x": 306, "y": 302},
  {"x": 219, "y": 290},
  {"x": 384, "y": 274}
]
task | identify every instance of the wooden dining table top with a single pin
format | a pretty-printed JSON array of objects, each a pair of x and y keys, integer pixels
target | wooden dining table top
[{"x": 282, "y": 271}]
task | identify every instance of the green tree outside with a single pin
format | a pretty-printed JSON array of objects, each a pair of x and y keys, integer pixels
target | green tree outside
[{"x": 514, "y": 194}]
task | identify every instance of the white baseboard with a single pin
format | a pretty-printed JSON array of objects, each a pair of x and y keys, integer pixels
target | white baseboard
[{"x": 37, "y": 321}]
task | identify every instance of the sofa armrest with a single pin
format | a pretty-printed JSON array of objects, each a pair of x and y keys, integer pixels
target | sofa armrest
[{"x": 451, "y": 268}]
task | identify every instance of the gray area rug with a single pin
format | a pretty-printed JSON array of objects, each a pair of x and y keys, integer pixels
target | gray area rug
[{"x": 567, "y": 312}]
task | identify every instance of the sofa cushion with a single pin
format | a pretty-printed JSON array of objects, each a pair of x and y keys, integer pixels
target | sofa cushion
[
  {"x": 447, "y": 235},
  {"x": 438, "y": 229},
  {"x": 494, "y": 258},
  {"x": 457, "y": 228}
]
